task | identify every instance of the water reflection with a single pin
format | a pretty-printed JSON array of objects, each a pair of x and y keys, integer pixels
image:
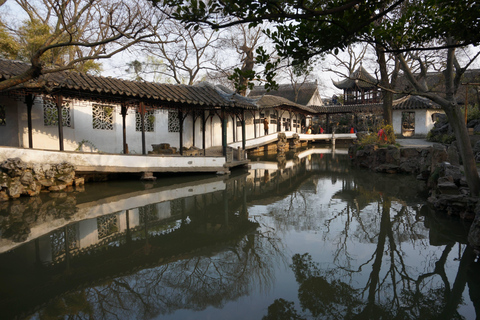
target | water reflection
[{"x": 348, "y": 244}]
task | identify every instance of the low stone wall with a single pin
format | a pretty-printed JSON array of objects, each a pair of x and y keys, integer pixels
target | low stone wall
[
  {"x": 18, "y": 178},
  {"x": 437, "y": 165}
]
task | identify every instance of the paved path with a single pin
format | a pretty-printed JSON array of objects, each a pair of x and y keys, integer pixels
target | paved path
[{"x": 420, "y": 143}]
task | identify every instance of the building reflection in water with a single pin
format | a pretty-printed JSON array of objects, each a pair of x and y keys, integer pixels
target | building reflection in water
[{"x": 134, "y": 250}]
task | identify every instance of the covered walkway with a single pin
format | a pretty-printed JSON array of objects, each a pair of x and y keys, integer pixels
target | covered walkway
[{"x": 274, "y": 137}]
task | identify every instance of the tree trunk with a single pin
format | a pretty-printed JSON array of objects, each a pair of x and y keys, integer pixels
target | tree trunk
[
  {"x": 457, "y": 121},
  {"x": 455, "y": 117},
  {"x": 385, "y": 85}
]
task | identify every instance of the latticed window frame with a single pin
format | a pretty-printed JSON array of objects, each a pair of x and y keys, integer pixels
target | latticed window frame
[
  {"x": 149, "y": 121},
  {"x": 3, "y": 116},
  {"x": 177, "y": 206},
  {"x": 58, "y": 239},
  {"x": 102, "y": 117},
  {"x": 173, "y": 121},
  {"x": 148, "y": 213},
  {"x": 107, "y": 225},
  {"x": 50, "y": 114}
]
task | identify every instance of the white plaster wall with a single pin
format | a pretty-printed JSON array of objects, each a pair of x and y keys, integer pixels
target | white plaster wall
[
  {"x": 423, "y": 121},
  {"x": 429, "y": 123},
  {"x": 131, "y": 163},
  {"x": 9, "y": 133},
  {"x": 213, "y": 134},
  {"x": 109, "y": 141},
  {"x": 163, "y": 210},
  {"x": 315, "y": 100},
  {"x": 87, "y": 232},
  {"x": 397, "y": 122}
]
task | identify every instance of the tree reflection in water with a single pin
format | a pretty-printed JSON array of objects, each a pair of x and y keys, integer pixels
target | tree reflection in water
[
  {"x": 349, "y": 244},
  {"x": 393, "y": 289}
]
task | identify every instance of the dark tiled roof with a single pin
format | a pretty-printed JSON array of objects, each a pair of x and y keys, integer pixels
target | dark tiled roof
[
  {"x": 405, "y": 103},
  {"x": 414, "y": 102},
  {"x": 271, "y": 101},
  {"x": 305, "y": 92},
  {"x": 359, "y": 78},
  {"x": 85, "y": 86},
  {"x": 435, "y": 83}
]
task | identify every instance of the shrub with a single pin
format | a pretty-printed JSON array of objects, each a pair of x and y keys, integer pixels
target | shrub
[{"x": 373, "y": 137}]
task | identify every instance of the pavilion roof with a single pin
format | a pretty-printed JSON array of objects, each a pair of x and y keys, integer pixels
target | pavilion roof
[
  {"x": 404, "y": 103},
  {"x": 360, "y": 78}
]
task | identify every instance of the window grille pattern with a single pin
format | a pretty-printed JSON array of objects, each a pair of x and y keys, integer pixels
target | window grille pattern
[
  {"x": 173, "y": 121},
  {"x": 3, "y": 116},
  {"x": 59, "y": 239},
  {"x": 149, "y": 121},
  {"x": 107, "y": 225},
  {"x": 102, "y": 117},
  {"x": 177, "y": 206},
  {"x": 50, "y": 114},
  {"x": 147, "y": 213}
]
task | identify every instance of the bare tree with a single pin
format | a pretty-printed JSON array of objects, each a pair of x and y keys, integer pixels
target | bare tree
[
  {"x": 78, "y": 31},
  {"x": 185, "y": 53},
  {"x": 239, "y": 47},
  {"x": 346, "y": 63}
]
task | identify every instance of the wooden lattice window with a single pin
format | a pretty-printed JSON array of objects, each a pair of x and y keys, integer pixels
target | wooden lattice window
[
  {"x": 148, "y": 213},
  {"x": 173, "y": 121},
  {"x": 3, "y": 116},
  {"x": 102, "y": 117},
  {"x": 107, "y": 225},
  {"x": 61, "y": 237},
  {"x": 149, "y": 121},
  {"x": 177, "y": 207},
  {"x": 50, "y": 114}
]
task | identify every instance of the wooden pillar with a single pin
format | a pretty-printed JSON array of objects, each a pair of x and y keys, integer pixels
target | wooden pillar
[
  {"x": 290, "y": 127},
  {"x": 180, "y": 118},
  {"x": 327, "y": 129},
  {"x": 254, "y": 125},
  {"x": 234, "y": 127},
  {"x": 142, "y": 124},
  {"x": 224, "y": 132},
  {"x": 124, "y": 128},
  {"x": 193, "y": 127},
  {"x": 59, "y": 103},
  {"x": 29, "y": 101},
  {"x": 203, "y": 132},
  {"x": 244, "y": 138}
]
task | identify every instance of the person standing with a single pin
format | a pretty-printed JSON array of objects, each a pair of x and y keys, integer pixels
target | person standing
[{"x": 265, "y": 125}]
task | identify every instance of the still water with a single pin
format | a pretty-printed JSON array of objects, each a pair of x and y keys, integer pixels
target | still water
[{"x": 306, "y": 237}]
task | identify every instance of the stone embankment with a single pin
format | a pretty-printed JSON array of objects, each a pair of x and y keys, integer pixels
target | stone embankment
[
  {"x": 18, "y": 178},
  {"x": 437, "y": 165}
]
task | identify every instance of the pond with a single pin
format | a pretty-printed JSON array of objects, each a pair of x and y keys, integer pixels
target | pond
[{"x": 299, "y": 237}]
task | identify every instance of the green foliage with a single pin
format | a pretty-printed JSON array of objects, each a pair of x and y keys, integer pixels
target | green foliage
[
  {"x": 85, "y": 143},
  {"x": 302, "y": 30},
  {"x": 444, "y": 138},
  {"x": 32, "y": 35},
  {"x": 379, "y": 139},
  {"x": 8, "y": 46},
  {"x": 473, "y": 112}
]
